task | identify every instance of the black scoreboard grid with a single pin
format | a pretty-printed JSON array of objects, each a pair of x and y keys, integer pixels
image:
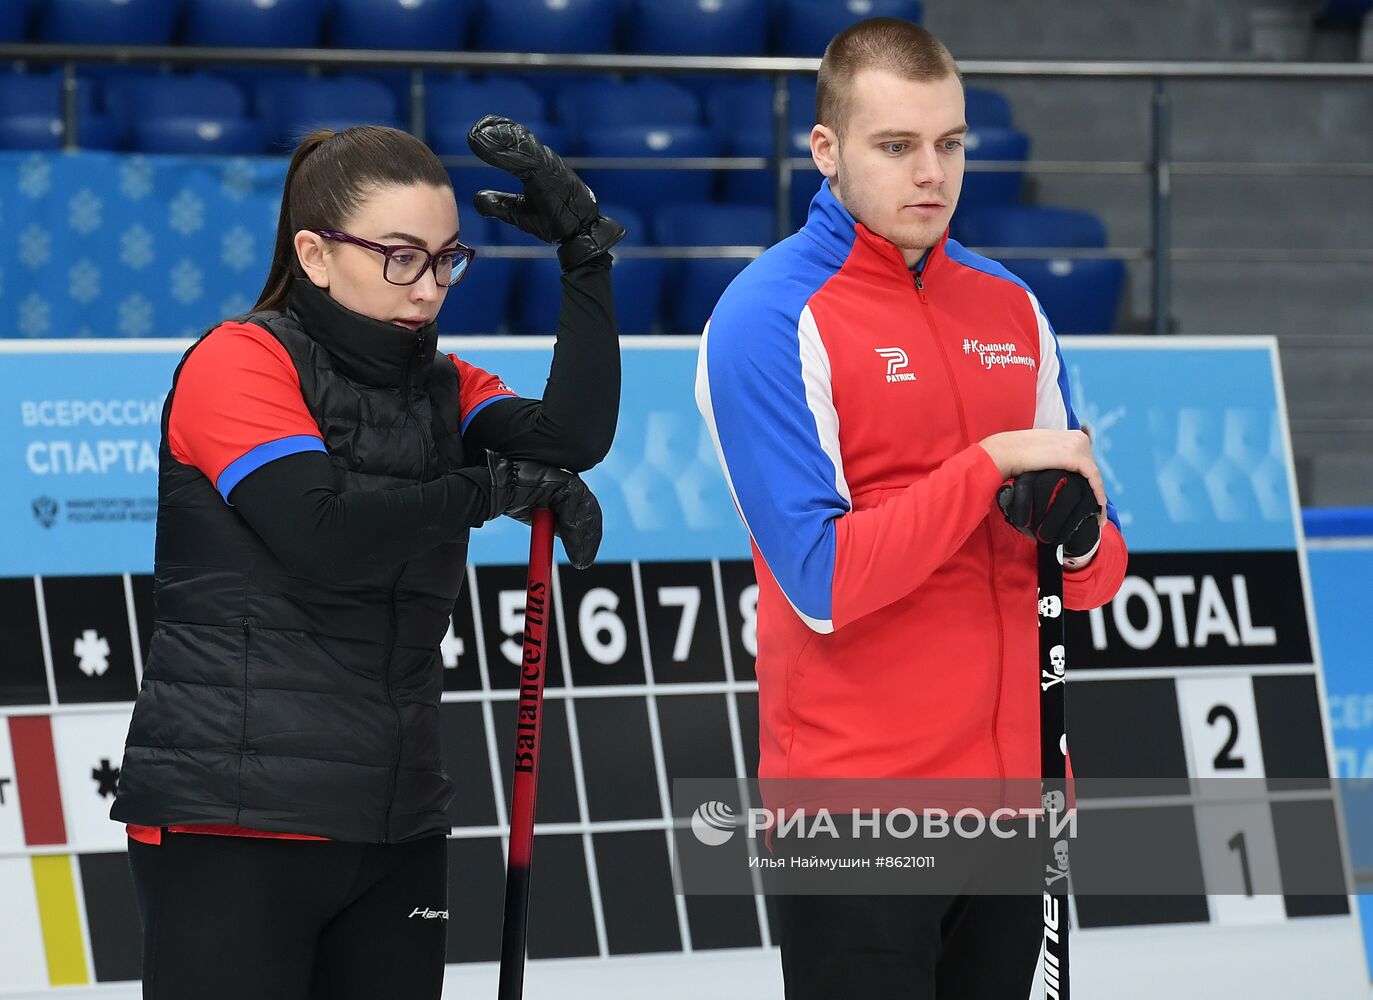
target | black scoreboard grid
[{"x": 653, "y": 679}]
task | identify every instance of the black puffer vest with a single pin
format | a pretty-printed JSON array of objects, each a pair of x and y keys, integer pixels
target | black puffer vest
[{"x": 298, "y": 705}]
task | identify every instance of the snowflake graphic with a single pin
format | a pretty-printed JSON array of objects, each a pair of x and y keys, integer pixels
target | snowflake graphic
[
  {"x": 1100, "y": 423},
  {"x": 187, "y": 212},
  {"x": 35, "y": 317},
  {"x": 136, "y": 178},
  {"x": 452, "y": 647},
  {"x": 236, "y": 305},
  {"x": 83, "y": 211},
  {"x": 35, "y": 246},
  {"x": 238, "y": 249},
  {"x": 237, "y": 181},
  {"x": 187, "y": 282},
  {"x": 94, "y": 652},
  {"x": 135, "y": 316},
  {"x": 83, "y": 281},
  {"x": 35, "y": 176},
  {"x": 136, "y": 247}
]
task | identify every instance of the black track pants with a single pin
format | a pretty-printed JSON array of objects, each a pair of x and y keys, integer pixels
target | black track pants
[
  {"x": 909, "y": 947},
  {"x": 241, "y": 917}
]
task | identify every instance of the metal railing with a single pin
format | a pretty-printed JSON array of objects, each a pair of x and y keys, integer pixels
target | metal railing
[{"x": 1160, "y": 166}]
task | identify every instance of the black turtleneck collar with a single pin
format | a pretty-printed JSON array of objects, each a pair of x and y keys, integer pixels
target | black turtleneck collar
[{"x": 365, "y": 350}]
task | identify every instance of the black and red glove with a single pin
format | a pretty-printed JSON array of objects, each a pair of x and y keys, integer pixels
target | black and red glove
[{"x": 1053, "y": 507}]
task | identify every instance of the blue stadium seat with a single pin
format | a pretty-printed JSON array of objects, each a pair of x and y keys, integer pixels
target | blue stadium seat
[
  {"x": 759, "y": 187},
  {"x": 14, "y": 21},
  {"x": 1078, "y": 296},
  {"x": 545, "y": 26},
  {"x": 398, "y": 24},
  {"x": 40, "y": 94},
  {"x": 805, "y": 27},
  {"x": 94, "y": 131},
  {"x": 604, "y": 103},
  {"x": 986, "y": 108},
  {"x": 742, "y": 112},
  {"x": 130, "y": 99},
  {"x": 645, "y": 190},
  {"x": 252, "y": 23},
  {"x": 999, "y": 187},
  {"x": 189, "y": 134},
  {"x": 694, "y": 286},
  {"x": 732, "y": 105},
  {"x": 703, "y": 27},
  {"x": 478, "y": 305},
  {"x": 637, "y": 283},
  {"x": 292, "y": 108},
  {"x": 1028, "y": 226},
  {"x": 107, "y": 22},
  {"x": 454, "y": 102}
]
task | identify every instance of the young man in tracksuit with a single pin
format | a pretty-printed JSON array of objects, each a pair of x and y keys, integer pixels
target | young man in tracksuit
[{"x": 870, "y": 385}]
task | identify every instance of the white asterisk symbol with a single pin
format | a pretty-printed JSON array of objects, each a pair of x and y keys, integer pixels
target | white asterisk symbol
[
  {"x": 236, "y": 305},
  {"x": 35, "y": 176},
  {"x": 94, "y": 652},
  {"x": 83, "y": 281},
  {"x": 186, "y": 282},
  {"x": 34, "y": 316},
  {"x": 83, "y": 211},
  {"x": 238, "y": 179},
  {"x": 237, "y": 250},
  {"x": 136, "y": 178},
  {"x": 35, "y": 246},
  {"x": 135, "y": 316},
  {"x": 187, "y": 212},
  {"x": 136, "y": 247}
]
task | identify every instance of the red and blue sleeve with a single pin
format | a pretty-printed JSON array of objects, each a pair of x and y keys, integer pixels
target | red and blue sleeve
[
  {"x": 763, "y": 386},
  {"x": 477, "y": 389},
  {"x": 237, "y": 406}
]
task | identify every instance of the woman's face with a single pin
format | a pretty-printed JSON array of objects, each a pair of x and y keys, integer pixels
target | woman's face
[{"x": 419, "y": 215}]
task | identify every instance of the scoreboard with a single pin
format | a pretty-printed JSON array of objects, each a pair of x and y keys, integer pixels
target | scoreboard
[{"x": 1204, "y": 666}]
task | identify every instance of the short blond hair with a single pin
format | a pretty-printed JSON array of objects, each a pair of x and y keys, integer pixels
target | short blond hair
[{"x": 887, "y": 43}]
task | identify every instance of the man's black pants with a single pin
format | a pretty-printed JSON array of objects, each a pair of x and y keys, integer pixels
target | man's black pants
[
  {"x": 243, "y": 917},
  {"x": 909, "y": 947}
]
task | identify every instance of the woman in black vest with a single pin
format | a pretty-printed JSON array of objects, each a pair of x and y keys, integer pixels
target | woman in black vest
[{"x": 321, "y": 465}]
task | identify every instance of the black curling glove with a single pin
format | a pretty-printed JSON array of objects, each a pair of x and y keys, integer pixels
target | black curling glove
[
  {"x": 556, "y": 206},
  {"x": 1054, "y": 507}
]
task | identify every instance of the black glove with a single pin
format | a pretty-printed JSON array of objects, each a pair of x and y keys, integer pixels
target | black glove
[
  {"x": 556, "y": 207},
  {"x": 519, "y": 486},
  {"x": 1054, "y": 507}
]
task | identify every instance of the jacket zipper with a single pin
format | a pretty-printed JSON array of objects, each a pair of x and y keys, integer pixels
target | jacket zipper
[
  {"x": 393, "y": 627},
  {"x": 243, "y": 739},
  {"x": 986, "y": 534}
]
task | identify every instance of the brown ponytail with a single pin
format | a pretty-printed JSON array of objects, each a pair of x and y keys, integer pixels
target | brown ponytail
[{"x": 329, "y": 175}]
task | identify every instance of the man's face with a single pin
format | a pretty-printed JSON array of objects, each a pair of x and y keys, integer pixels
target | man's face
[{"x": 898, "y": 167}]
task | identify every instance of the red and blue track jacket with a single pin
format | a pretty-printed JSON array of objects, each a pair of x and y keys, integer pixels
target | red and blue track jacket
[{"x": 847, "y": 394}]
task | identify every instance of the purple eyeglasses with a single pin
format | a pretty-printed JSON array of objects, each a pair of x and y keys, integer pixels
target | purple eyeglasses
[{"x": 405, "y": 265}]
